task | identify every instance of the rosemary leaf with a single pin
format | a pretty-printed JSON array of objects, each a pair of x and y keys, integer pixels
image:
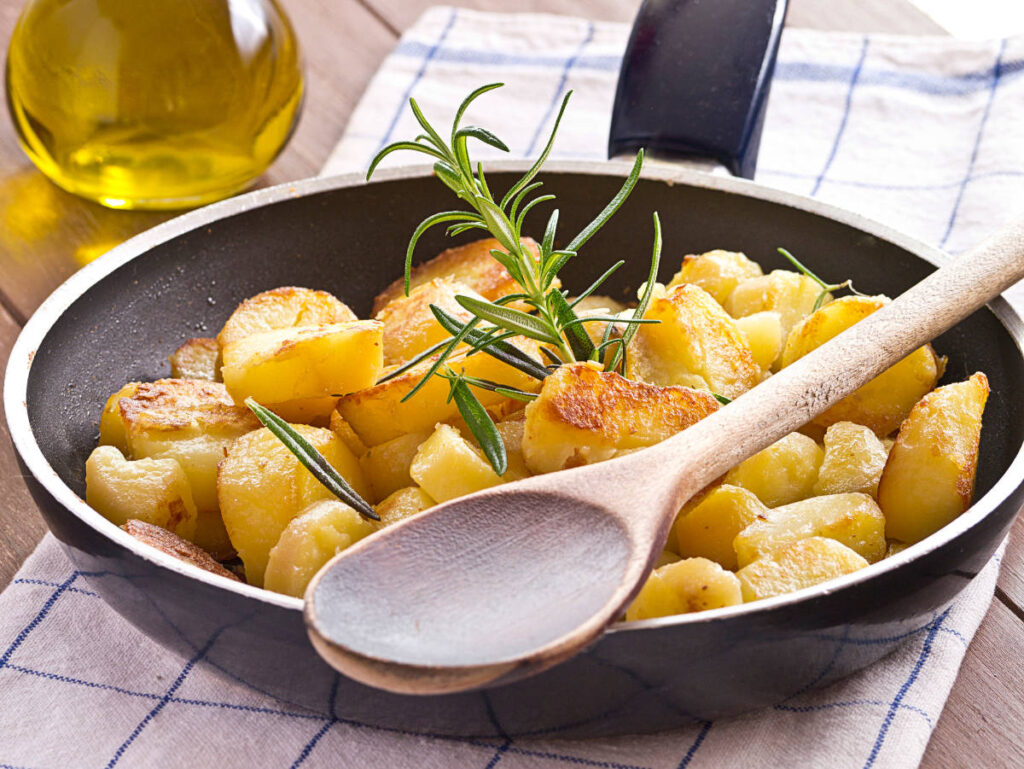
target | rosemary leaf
[
  {"x": 722, "y": 399},
  {"x": 426, "y": 224},
  {"x": 599, "y": 221},
  {"x": 481, "y": 134},
  {"x": 528, "y": 176},
  {"x": 500, "y": 227},
  {"x": 580, "y": 344},
  {"x": 481, "y": 425},
  {"x": 552, "y": 356},
  {"x": 645, "y": 299},
  {"x": 434, "y": 136},
  {"x": 510, "y": 319},
  {"x": 548, "y": 244},
  {"x": 454, "y": 342},
  {"x": 518, "y": 199},
  {"x": 800, "y": 266},
  {"x": 469, "y": 100},
  {"x": 597, "y": 283},
  {"x": 503, "y": 351},
  {"x": 312, "y": 460},
  {"x": 414, "y": 146},
  {"x": 414, "y": 361}
]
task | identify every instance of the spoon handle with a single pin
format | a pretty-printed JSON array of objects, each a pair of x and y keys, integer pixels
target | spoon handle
[{"x": 815, "y": 382}]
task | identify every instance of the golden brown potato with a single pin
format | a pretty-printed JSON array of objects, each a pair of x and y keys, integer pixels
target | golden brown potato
[
  {"x": 929, "y": 477},
  {"x": 599, "y": 306},
  {"x": 886, "y": 400},
  {"x": 854, "y": 458},
  {"x": 191, "y": 421},
  {"x": 692, "y": 584},
  {"x": 309, "y": 541},
  {"x": 802, "y": 564},
  {"x": 153, "y": 490},
  {"x": 348, "y": 436},
  {"x": 447, "y": 466},
  {"x": 173, "y": 545},
  {"x": 386, "y": 465},
  {"x": 717, "y": 272},
  {"x": 784, "y": 472},
  {"x": 262, "y": 486},
  {"x": 853, "y": 519},
  {"x": 584, "y": 415},
  {"x": 409, "y": 325},
  {"x": 285, "y": 307},
  {"x": 471, "y": 264},
  {"x": 789, "y": 293},
  {"x": 377, "y": 414},
  {"x": 707, "y": 528},
  {"x": 402, "y": 504},
  {"x": 694, "y": 341},
  {"x": 763, "y": 331},
  {"x": 299, "y": 372},
  {"x": 197, "y": 359}
]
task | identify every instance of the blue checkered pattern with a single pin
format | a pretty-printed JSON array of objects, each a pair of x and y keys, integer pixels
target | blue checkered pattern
[{"x": 924, "y": 134}]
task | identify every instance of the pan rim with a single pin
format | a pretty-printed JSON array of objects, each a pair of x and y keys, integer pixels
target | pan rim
[{"x": 54, "y": 306}]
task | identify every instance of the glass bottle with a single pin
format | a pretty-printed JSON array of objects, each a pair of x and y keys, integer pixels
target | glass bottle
[{"x": 153, "y": 104}]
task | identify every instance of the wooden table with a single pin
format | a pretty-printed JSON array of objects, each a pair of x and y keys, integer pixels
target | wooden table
[{"x": 47, "y": 234}]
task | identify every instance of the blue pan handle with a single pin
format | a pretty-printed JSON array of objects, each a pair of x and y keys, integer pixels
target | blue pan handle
[{"x": 695, "y": 78}]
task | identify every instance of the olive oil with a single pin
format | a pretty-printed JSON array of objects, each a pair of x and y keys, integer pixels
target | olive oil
[{"x": 158, "y": 104}]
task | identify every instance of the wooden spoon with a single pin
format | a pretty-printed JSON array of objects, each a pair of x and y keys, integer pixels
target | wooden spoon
[{"x": 506, "y": 582}]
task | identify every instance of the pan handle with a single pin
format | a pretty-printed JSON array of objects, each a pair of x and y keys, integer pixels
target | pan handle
[{"x": 695, "y": 79}]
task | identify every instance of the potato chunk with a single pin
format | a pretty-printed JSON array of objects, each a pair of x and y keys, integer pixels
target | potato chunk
[
  {"x": 471, "y": 264},
  {"x": 262, "y": 487},
  {"x": 853, "y": 519},
  {"x": 782, "y": 473},
  {"x": 694, "y": 337},
  {"x": 285, "y": 307},
  {"x": 854, "y": 458},
  {"x": 191, "y": 421},
  {"x": 789, "y": 293},
  {"x": 386, "y": 466},
  {"x": 802, "y": 564},
  {"x": 409, "y": 325},
  {"x": 448, "y": 466},
  {"x": 717, "y": 272},
  {"x": 402, "y": 504},
  {"x": 309, "y": 541},
  {"x": 763, "y": 331},
  {"x": 692, "y": 584},
  {"x": 152, "y": 490},
  {"x": 175, "y": 546},
  {"x": 707, "y": 529},
  {"x": 584, "y": 415},
  {"x": 886, "y": 400},
  {"x": 197, "y": 359},
  {"x": 377, "y": 413},
  {"x": 288, "y": 369},
  {"x": 348, "y": 436},
  {"x": 929, "y": 477}
]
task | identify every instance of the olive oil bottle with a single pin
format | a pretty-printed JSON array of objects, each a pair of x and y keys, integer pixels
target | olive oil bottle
[{"x": 157, "y": 104}]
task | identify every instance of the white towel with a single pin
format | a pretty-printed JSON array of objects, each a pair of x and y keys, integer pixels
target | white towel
[{"x": 80, "y": 687}]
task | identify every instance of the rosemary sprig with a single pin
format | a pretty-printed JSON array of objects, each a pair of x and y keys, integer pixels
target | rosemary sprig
[
  {"x": 553, "y": 321},
  {"x": 312, "y": 460},
  {"x": 826, "y": 288}
]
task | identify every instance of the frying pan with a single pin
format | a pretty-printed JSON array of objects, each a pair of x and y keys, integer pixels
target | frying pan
[{"x": 117, "y": 319}]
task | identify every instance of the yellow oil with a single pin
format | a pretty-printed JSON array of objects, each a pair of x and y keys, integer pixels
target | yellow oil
[{"x": 154, "y": 104}]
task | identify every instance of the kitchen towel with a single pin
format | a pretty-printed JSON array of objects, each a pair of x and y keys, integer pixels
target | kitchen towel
[{"x": 80, "y": 687}]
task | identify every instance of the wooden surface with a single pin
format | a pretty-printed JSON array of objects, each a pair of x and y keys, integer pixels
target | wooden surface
[{"x": 46, "y": 234}]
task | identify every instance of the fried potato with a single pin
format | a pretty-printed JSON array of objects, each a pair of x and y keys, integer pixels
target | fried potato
[
  {"x": 285, "y": 307},
  {"x": 789, "y": 293},
  {"x": 299, "y": 372},
  {"x": 763, "y": 331},
  {"x": 196, "y": 359},
  {"x": 191, "y": 421},
  {"x": 784, "y": 472},
  {"x": 599, "y": 306},
  {"x": 694, "y": 337},
  {"x": 853, "y": 519},
  {"x": 801, "y": 564},
  {"x": 386, "y": 465},
  {"x": 854, "y": 458},
  {"x": 886, "y": 400},
  {"x": 348, "y": 436},
  {"x": 377, "y": 413},
  {"x": 173, "y": 545},
  {"x": 402, "y": 504},
  {"x": 717, "y": 272},
  {"x": 928, "y": 479},
  {"x": 409, "y": 325},
  {"x": 309, "y": 541},
  {"x": 448, "y": 466},
  {"x": 471, "y": 264},
  {"x": 153, "y": 490},
  {"x": 262, "y": 487},
  {"x": 692, "y": 584},
  {"x": 707, "y": 528},
  {"x": 584, "y": 415}
]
